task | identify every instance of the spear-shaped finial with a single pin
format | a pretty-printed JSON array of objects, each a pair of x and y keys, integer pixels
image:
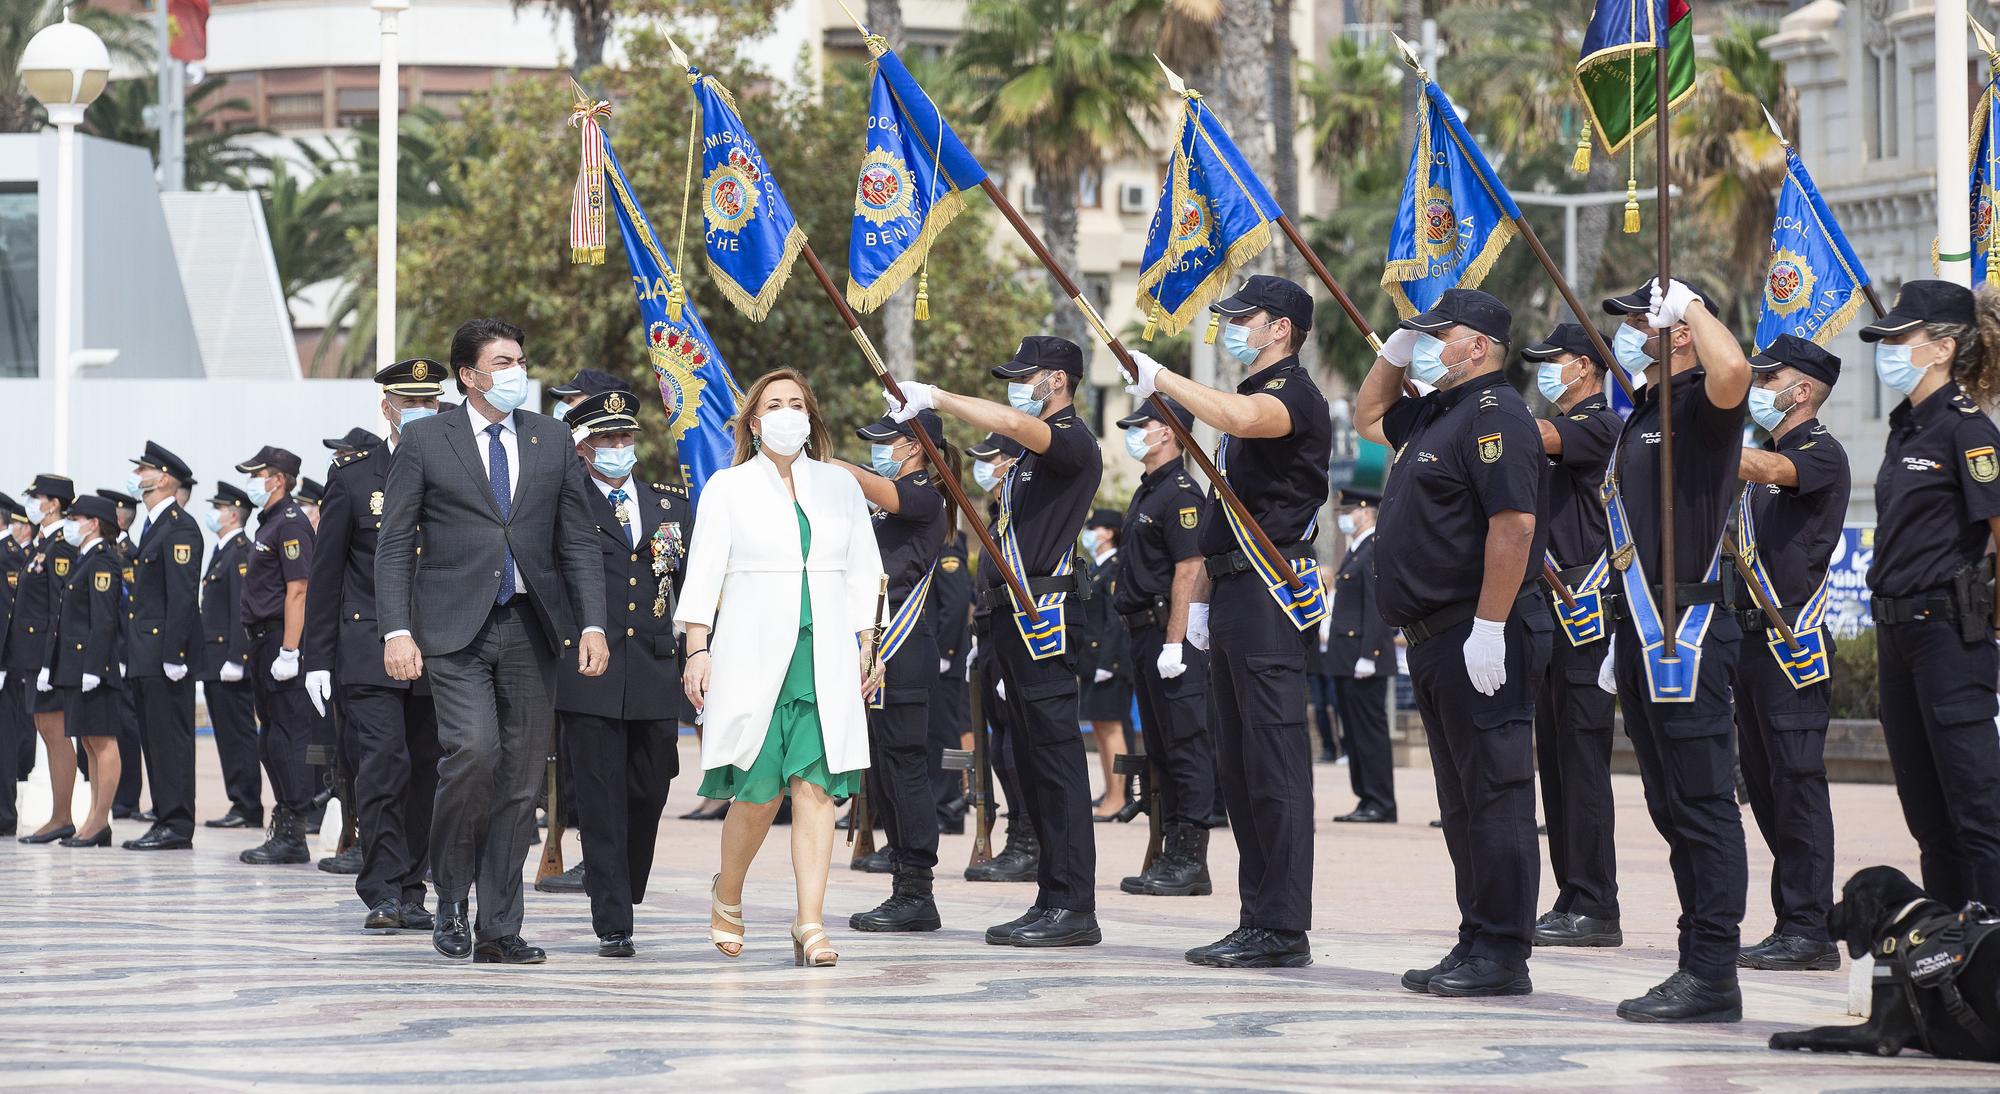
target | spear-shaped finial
[
  {"x": 1985, "y": 36},
  {"x": 1173, "y": 78},
  {"x": 1774, "y": 125},
  {"x": 674, "y": 50},
  {"x": 583, "y": 98},
  {"x": 1409, "y": 55}
]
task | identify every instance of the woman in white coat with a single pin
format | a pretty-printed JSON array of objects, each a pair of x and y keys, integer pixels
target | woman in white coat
[{"x": 780, "y": 605}]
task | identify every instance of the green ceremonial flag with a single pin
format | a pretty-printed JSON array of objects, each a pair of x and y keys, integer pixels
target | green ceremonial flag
[{"x": 1615, "y": 73}]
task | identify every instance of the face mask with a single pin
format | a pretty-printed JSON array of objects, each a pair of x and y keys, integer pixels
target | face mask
[
  {"x": 135, "y": 486},
  {"x": 1629, "y": 346},
  {"x": 213, "y": 518},
  {"x": 42, "y": 510},
  {"x": 72, "y": 533},
  {"x": 786, "y": 430},
  {"x": 1346, "y": 523},
  {"x": 1548, "y": 379},
  {"x": 1022, "y": 398},
  {"x": 509, "y": 390},
  {"x": 986, "y": 475},
  {"x": 1764, "y": 408},
  {"x": 259, "y": 493},
  {"x": 1136, "y": 444},
  {"x": 882, "y": 457},
  {"x": 615, "y": 463},
  {"x": 1427, "y": 359},
  {"x": 560, "y": 412},
  {"x": 1236, "y": 341},
  {"x": 1893, "y": 365},
  {"x": 413, "y": 414}
]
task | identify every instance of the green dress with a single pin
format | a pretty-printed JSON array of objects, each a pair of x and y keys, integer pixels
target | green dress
[{"x": 794, "y": 746}]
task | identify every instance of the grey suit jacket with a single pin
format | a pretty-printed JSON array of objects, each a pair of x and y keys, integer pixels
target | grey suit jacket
[{"x": 438, "y": 495}]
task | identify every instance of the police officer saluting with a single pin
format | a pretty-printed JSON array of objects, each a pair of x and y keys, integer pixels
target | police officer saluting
[
  {"x": 911, "y": 521},
  {"x": 1937, "y": 503},
  {"x": 1677, "y": 711},
  {"x": 621, "y": 729},
  {"x": 1456, "y": 561},
  {"x": 163, "y": 642},
  {"x": 274, "y": 612},
  {"x": 390, "y": 725},
  {"x": 1277, "y": 439},
  {"x": 1042, "y": 507},
  {"x": 1159, "y": 573},
  {"x": 1573, "y": 716},
  {"x": 225, "y": 660}
]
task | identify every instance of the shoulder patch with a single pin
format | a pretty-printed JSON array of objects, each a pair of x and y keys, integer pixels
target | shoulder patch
[
  {"x": 292, "y": 549},
  {"x": 1585, "y": 418},
  {"x": 62, "y": 567},
  {"x": 1489, "y": 448},
  {"x": 1062, "y": 423},
  {"x": 1982, "y": 465},
  {"x": 101, "y": 581},
  {"x": 1190, "y": 516},
  {"x": 353, "y": 457},
  {"x": 1275, "y": 385},
  {"x": 183, "y": 553},
  {"x": 1964, "y": 404},
  {"x": 950, "y": 564}
]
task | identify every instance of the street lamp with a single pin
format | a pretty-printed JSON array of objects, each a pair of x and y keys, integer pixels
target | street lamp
[{"x": 65, "y": 66}]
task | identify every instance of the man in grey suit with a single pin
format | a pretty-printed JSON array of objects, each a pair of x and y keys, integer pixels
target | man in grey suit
[{"x": 508, "y": 569}]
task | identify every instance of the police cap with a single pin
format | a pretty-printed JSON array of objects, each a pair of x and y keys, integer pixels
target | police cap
[
  {"x": 417, "y": 378},
  {"x": 1924, "y": 301},
  {"x": 120, "y": 499},
  {"x": 1353, "y": 497},
  {"x": 1105, "y": 518},
  {"x": 1640, "y": 300},
  {"x": 1040, "y": 351},
  {"x": 885, "y": 428},
  {"x": 589, "y": 381},
  {"x": 162, "y": 460},
  {"x": 1470, "y": 308},
  {"x": 58, "y": 487},
  {"x": 1263, "y": 292},
  {"x": 995, "y": 446},
  {"x": 610, "y": 411},
  {"x": 311, "y": 492},
  {"x": 227, "y": 493},
  {"x": 11, "y": 509},
  {"x": 1567, "y": 338},
  {"x": 356, "y": 439},
  {"x": 92, "y": 507},
  {"x": 1148, "y": 412},
  {"x": 1791, "y": 351},
  {"x": 276, "y": 459}
]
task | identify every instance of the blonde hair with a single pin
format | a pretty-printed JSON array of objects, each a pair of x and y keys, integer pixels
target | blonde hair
[{"x": 818, "y": 442}]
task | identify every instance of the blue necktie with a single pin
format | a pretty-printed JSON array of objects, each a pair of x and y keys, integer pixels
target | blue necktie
[
  {"x": 503, "y": 496},
  {"x": 618, "y": 507}
]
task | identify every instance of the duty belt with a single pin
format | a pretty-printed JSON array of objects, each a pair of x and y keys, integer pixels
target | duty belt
[
  {"x": 1451, "y": 615},
  {"x": 996, "y": 598},
  {"x": 1237, "y": 561},
  {"x": 1152, "y": 615},
  {"x": 1912, "y": 609}
]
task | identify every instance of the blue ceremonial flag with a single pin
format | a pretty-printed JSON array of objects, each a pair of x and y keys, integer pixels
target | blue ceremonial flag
[
  {"x": 1985, "y": 128},
  {"x": 695, "y": 386},
  {"x": 910, "y": 185},
  {"x": 1454, "y": 219},
  {"x": 1813, "y": 286},
  {"x": 1214, "y": 216},
  {"x": 751, "y": 236}
]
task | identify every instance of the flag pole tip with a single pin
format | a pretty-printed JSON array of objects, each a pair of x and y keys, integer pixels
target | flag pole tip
[
  {"x": 1773, "y": 122},
  {"x": 1173, "y": 78},
  {"x": 674, "y": 50},
  {"x": 1409, "y": 53},
  {"x": 858, "y": 25}
]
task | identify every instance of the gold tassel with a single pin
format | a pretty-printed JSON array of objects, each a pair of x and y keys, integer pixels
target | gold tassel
[
  {"x": 1152, "y": 322},
  {"x": 676, "y": 297},
  {"x": 1632, "y": 206},
  {"x": 1214, "y": 327},
  {"x": 923, "y": 308},
  {"x": 1581, "y": 162}
]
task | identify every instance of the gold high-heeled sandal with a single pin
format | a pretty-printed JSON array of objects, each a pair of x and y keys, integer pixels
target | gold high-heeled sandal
[
  {"x": 811, "y": 948},
  {"x": 728, "y": 913}
]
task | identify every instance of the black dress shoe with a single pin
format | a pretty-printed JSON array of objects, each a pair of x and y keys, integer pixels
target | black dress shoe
[
  {"x": 451, "y": 936},
  {"x": 101, "y": 839},
  {"x": 1217, "y": 819},
  {"x": 1367, "y": 814},
  {"x": 615, "y": 944},
  {"x": 1576, "y": 929},
  {"x": 1790, "y": 953},
  {"x": 1480, "y": 977},
  {"x": 149, "y": 816},
  {"x": 1685, "y": 997},
  {"x": 1058, "y": 927},
  {"x": 874, "y": 862},
  {"x": 1439, "y": 823},
  {"x": 386, "y": 915},
  {"x": 347, "y": 862},
  {"x": 160, "y": 839},
  {"x": 50, "y": 836},
  {"x": 507, "y": 950},
  {"x": 416, "y": 917},
  {"x": 1419, "y": 980},
  {"x": 124, "y": 812},
  {"x": 236, "y": 818},
  {"x": 1002, "y": 934},
  {"x": 1327, "y": 756},
  {"x": 1258, "y": 948},
  {"x": 569, "y": 881}
]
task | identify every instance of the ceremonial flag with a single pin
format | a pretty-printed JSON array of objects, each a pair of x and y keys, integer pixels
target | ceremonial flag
[
  {"x": 1214, "y": 216},
  {"x": 751, "y": 236},
  {"x": 1454, "y": 218},
  {"x": 187, "y": 29},
  {"x": 910, "y": 185},
  {"x": 1813, "y": 285},
  {"x": 1615, "y": 73},
  {"x": 1985, "y": 127}
]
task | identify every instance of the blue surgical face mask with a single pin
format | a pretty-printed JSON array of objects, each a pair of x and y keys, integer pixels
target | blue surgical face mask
[
  {"x": 1236, "y": 341},
  {"x": 135, "y": 486},
  {"x": 1897, "y": 370},
  {"x": 1629, "y": 346},
  {"x": 560, "y": 411},
  {"x": 213, "y": 518},
  {"x": 413, "y": 414},
  {"x": 1427, "y": 359},
  {"x": 1346, "y": 523},
  {"x": 1136, "y": 444},
  {"x": 509, "y": 390},
  {"x": 986, "y": 475},
  {"x": 1022, "y": 398},
  {"x": 883, "y": 458},
  {"x": 1548, "y": 379},
  {"x": 72, "y": 532},
  {"x": 259, "y": 493},
  {"x": 1764, "y": 408},
  {"x": 615, "y": 463}
]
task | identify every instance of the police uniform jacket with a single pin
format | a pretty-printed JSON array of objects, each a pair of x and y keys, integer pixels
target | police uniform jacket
[
  {"x": 42, "y": 581},
  {"x": 1358, "y": 628},
  {"x": 643, "y": 680},
  {"x": 281, "y": 553},
  {"x": 1799, "y": 526},
  {"x": 1282, "y": 481},
  {"x": 1939, "y": 484},
  {"x": 1108, "y": 646},
  {"x": 223, "y": 638},
  {"x": 86, "y": 634},
  {"x": 13, "y": 559},
  {"x": 341, "y": 635},
  {"x": 1162, "y": 529},
  {"x": 1573, "y": 508},
  {"x": 951, "y": 597},
  {"x": 162, "y": 607}
]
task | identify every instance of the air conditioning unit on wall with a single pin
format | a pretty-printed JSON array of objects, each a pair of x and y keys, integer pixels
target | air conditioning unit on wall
[{"x": 1133, "y": 198}]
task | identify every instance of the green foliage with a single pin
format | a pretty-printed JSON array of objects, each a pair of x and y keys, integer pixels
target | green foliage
[
  {"x": 216, "y": 154},
  {"x": 1854, "y": 672},
  {"x": 125, "y": 37}
]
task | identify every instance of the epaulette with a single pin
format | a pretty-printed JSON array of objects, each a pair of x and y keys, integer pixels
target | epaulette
[
  {"x": 1181, "y": 480},
  {"x": 1488, "y": 400},
  {"x": 677, "y": 491},
  {"x": 1964, "y": 404},
  {"x": 293, "y": 511},
  {"x": 351, "y": 457},
  {"x": 921, "y": 478}
]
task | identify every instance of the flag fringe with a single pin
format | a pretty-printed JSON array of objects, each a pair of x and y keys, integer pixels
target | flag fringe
[
  {"x": 866, "y": 299},
  {"x": 758, "y": 305}
]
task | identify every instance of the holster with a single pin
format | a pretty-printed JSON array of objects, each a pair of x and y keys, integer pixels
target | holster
[{"x": 1972, "y": 597}]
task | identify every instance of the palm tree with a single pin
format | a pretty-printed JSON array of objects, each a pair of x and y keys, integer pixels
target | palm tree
[
  {"x": 1283, "y": 65},
  {"x": 1056, "y": 83},
  {"x": 1182, "y": 32},
  {"x": 1351, "y": 100},
  {"x": 127, "y": 38},
  {"x": 216, "y": 152}
]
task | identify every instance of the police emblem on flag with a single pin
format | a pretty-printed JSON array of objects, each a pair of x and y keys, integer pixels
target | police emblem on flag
[
  {"x": 1489, "y": 448},
  {"x": 62, "y": 567},
  {"x": 1190, "y": 516},
  {"x": 183, "y": 554},
  {"x": 102, "y": 582},
  {"x": 1440, "y": 223},
  {"x": 1982, "y": 217},
  {"x": 1981, "y": 463},
  {"x": 728, "y": 195},
  {"x": 1788, "y": 284},
  {"x": 676, "y": 356},
  {"x": 883, "y": 192},
  {"x": 292, "y": 549}
]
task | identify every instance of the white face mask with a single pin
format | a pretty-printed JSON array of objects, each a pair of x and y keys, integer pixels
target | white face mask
[
  {"x": 72, "y": 532},
  {"x": 785, "y": 430},
  {"x": 509, "y": 390}
]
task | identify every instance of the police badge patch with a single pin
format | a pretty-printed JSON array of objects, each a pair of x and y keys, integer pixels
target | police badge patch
[
  {"x": 102, "y": 582},
  {"x": 62, "y": 567},
  {"x": 1981, "y": 463},
  {"x": 1190, "y": 516},
  {"x": 375, "y": 504},
  {"x": 183, "y": 554},
  {"x": 242, "y": 569},
  {"x": 950, "y": 565},
  {"x": 1489, "y": 448},
  {"x": 292, "y": 549}
]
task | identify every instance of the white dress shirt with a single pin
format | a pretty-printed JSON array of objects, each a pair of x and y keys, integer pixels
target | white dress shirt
[
  {"x": 152, "y": 515},
  {"x": 631, "y": 509},
  {"x": 511, "y": 444}
]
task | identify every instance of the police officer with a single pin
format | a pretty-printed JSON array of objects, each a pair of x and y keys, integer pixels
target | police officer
[
  {"x": 389, "y": 726},
  {"x": 310, "y": 496},
  {"x": 950, "y": 609},
  {"x": 1790, "y": 524},
  {"x": 1042, "y": 507},
  {"x": 1104, "y": 679},
  {"x": 43, "y": 578},
  {"x": 1677, "y": 713},
  {"x": 131, "y": 735},
  {"x": 355, "y": 440},
  {"x": 1277, "y": 440},
  {"x": 1361, "y": 658},
  {"x": 17, "y": 735},
  {"x": 585, "y": 383},
  {"x": 1158, "y": 574},
  {"x": 80, "y": 668},
  {"x": 225, "y": 660},
  {"x": 1020, "y": 855},
  {"x": 911, "y": 519},
  {"x": 163, "y": 617},
  {"x": 274, "y": 612},
  {"x": 1937, "y": 503},
  {"x": 1573, "y": 716},
  {"x": 621, "y": 729},
  {"x": 1457, "y": 544}
]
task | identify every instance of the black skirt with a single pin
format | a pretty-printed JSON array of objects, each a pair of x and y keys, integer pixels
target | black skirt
[
  {"x": 1110, "y": 701},
  {"x": 93, "y": 713}
]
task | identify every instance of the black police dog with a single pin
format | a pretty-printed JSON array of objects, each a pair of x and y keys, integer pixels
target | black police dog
[{"x": 1881, "y": 903}]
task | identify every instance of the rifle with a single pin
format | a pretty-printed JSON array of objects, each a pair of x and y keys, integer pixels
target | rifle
[
  {"x": 860, "y": 826},
  {"x": 1149, "y": 792},
  {"x": 979, "y": 796},
  {"x": 552, "y": 855}
]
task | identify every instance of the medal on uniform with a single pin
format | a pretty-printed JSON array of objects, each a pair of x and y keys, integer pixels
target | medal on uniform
[{"x": 375, "y": 504}]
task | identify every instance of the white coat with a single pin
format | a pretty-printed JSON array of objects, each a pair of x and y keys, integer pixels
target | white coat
[{"x": 743, "y": 580}]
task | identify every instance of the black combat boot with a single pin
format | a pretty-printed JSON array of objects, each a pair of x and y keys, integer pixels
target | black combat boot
[
  {"x": 909, "y": 907},
  {"x": 1016, "y": 861},
  {"x": 1183, "y": 865},
  {"x": 285, "y": 845}
]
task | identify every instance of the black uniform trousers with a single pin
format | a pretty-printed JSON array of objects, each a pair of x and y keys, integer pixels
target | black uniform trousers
[
  {"x": 1324, "y": 698},
  {"x": 232, "y": 708},
  {"x": 1047, "y": 746},
  {"x": 1174, "y": 714},
  {"x": 1483, "y": 755},
  {"x": 395, "y": 737},
  {"x": 1937, "y": 716},
  {"x": 950, "y": 714},
  {"x": 1573, "y": 721},
  {"x": 131, "y": 751},
  {"x": 17, "y": 728},
  {"x": 1257, "y": 713},
  {"x": 166, "y": 711},
  {"x": 1687, "y": 763},
  {"x": 1781, "y": 745},
  {"x": 899, "y": 744},
  {"x": 621, "y": 771},
  {"x": 287, "y": 716},
  {"x": 1000, "y": 740},
  {"x": 1364, "y": 721}
]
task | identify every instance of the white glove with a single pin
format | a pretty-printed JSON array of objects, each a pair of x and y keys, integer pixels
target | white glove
[
  {"x": 1607, "y": 673},
  {"x": 90, "y": 682},
  {"x": 1398, "y": 348},
  {"x": 1000, "y": 689},
  {"x": 1169, "y": 662},
  {"x": 121, "y": 668},
  {"x": 1671, "y": 306},
  {"x": 319, "y": 688},
  {"x": 1145, "y": 386},
  {"x": 1486, "y": 655},
  {"x": 175, "y": 673},
  {"x": 944, "y": 665},
  {"x": 1197, "y": 626},
  {"x": 1100, "y": 676},
  {"x": 916, "y": 397},
  {"x": 3, "y": 678},
  {"x": 231, "y": 673},
  {"x": 1364, "y": 668},
  {"x": 42, "y": 681},
  {"x": 286, "y": 666}
]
